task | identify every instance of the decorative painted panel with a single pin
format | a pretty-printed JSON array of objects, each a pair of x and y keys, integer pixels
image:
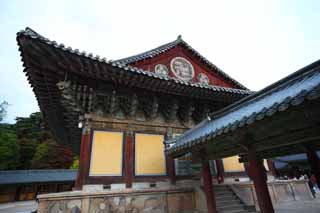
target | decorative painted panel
[
  {"x": 198, "y": 67},
  {"x": 149, "y": 155},
  {"x": 203, "y": 79},
  {"x": 161, "y": 69},
  {"x": 231, "y": 164},
  {"x": 106, "y": 154},
  {"x": 182, "y": 68}
]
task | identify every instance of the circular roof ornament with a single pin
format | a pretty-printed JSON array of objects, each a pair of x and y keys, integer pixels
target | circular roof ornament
[
  {"x": 182, "y": 68},
  {"x": 203, "y": 79},
  {"x": 161, "y": 69}
]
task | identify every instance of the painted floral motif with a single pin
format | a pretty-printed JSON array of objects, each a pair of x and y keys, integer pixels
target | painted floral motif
[
  {"x": 161, "y": 69},
  {"x": 203, "y": 78}
]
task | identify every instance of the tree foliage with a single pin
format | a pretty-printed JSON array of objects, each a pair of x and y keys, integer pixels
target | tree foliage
[
  {"x": 75, "y": 163},
  {"x": 3, "y": 110},
  {"x": 9, "y": 148},
  {"x": 28, "y": 144}
]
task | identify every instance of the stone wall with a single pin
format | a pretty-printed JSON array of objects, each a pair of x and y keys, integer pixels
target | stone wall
[
  {"x": 171, "y": 200},
  {"x": 280, "y": 191}
]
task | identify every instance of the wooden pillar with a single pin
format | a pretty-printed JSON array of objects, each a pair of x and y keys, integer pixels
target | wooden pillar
[
  {"x": 84, "y": 160},
  {"x": 17, "y": 193},
  {"x": 246, "y": 168},
  {"x": 258, "y": 174},
  {"x": 208, "y": 187},
  {"x": 272, "y": 168},
  {"x": 129, "y": 159},
  {"x": 220, "y": 171},
  {"x": 171, "y": 169},
  {"x": 314, "y": 163}
]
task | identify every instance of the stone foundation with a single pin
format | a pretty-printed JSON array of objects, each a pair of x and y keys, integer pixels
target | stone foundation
[
  {"x": 280, "y": 191},
  {"x": 171, "y": 200}
]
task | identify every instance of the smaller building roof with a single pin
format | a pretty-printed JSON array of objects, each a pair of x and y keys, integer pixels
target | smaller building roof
[
  {"x": 289, "y": 91},
  {"x": 37, "y": 176}
]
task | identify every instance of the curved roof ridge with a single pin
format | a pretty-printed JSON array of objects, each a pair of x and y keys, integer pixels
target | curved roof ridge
[
  {"x": 34, "y": 35},
  {"x": 150, "y": 53}
]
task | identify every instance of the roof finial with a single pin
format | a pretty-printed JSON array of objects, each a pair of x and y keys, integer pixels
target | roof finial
[{"x": 179, "y": 37}]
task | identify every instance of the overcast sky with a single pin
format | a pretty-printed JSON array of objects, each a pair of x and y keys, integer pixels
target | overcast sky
[{"x": 255, "y": 42}]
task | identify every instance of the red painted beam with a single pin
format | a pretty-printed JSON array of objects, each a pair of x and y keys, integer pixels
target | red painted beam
[{"x": 208, "y": 187}]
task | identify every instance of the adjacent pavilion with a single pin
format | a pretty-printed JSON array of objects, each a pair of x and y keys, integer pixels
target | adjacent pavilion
[{"x": 282, "y": 119}]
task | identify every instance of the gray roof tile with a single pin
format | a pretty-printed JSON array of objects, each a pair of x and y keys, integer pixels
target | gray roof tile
[
  {"x": 37, "y": 176},
  {"x": 118, "y": 64}
]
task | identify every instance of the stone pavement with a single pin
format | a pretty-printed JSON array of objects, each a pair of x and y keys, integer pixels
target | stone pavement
[
  {"x": 310, "y": 206},
  {"x": 18, "y": 207}
]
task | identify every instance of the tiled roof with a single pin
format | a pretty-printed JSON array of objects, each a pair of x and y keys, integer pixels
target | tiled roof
[
  {"x": 290, "y": 91},
  {"x": 28, "y": 32},
  {"x": 164, "y": 48},
  {"x": 37, "y": 176}
]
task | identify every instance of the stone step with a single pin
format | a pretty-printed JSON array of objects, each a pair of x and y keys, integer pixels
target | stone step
[
  {"x": 220, "y": 187},
  {"x": 222, "y": 190},
  {"x": 228, "y": 197},
  {"x": 231, "y": 207},
  {"x": 222, "y": 203},
  {"x": 234, "y": 211},
  {"x": 227, "y": 201},
  {"x": 223, "y": 193}
]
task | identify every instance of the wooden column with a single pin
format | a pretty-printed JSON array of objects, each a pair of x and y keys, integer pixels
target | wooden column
[
  {"x": 220, "y": 171},
  {"x": 17, "y": 193},
  {"x": 272, "y": 168},
  {"x": 258, "y": 174},
  {"x": 171, "y": 169},
  {"x": 314, "y": 163},
  {"x": 84, "y": 160},
  {"x": 208, "y": 187},
  {"x": 129, "y": 159}
]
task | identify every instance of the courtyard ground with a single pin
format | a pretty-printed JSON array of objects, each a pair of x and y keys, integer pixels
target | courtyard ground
[{"x": 312, "y": 206}]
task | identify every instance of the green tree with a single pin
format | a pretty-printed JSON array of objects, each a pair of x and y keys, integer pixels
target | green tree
[
  {"x": 51, "y": 155},
  {"x": 28, "y": 144},
  {"x": 75, "y": 163},
  {"x": 33, "y": 127},
  {"x": 3, "y": 110},
  {"x": 9, "y": 148}
]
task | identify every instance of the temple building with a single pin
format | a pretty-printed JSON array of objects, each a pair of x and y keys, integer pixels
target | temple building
[
  {"x": 147, "y": 121},
  {"x": 117, "y": 114}
]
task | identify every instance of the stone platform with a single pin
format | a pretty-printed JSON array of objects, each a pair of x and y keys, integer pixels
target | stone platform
[{"x": 171, "y": 199}]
